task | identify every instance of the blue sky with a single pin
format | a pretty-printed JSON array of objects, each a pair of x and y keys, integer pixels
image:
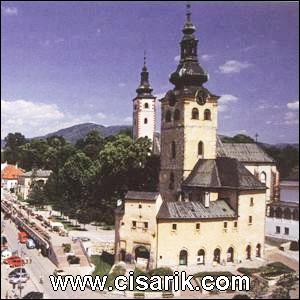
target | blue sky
[{"x": 65, "y": 63}]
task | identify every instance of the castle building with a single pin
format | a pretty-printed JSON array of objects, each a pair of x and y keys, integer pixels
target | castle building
[
  {"x": 144, "y": 110},
  {"x": 210, "y": 209}
]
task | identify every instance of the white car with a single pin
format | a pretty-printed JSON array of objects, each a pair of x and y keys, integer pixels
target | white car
[
  {"x": 19, "y": 278},
  {"x": 59, "y": 272},
  {"x": 5, "y": 254}
]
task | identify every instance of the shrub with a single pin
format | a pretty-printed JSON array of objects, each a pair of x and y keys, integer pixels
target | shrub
[
  {"x": 67, "y": 247},
  {"x": 73, "y": 260},
  {"x": 161, "y": 272},
  {"x": 294, "y": 246},
  {"x": 241, "y": 296}
]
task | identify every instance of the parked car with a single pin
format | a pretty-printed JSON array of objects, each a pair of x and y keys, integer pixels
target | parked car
[
  {"x": 84, "y": 239},
  {"x": 34, "y": 295},
  {"x": 59, "y": 272},
  {"x": 40, "y": 217},
  {"x": 30, "y": 244},
  {"x": 5, "y": 254},
  {"x": 19, "y": 278},
  {"x": 14, "y": 261},
  {"x": 16, "y": 271}
]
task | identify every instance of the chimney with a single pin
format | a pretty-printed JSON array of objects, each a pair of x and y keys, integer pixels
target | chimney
[
  {"x": 206, "y": 199},
  {"x": 16, "y": 165}
]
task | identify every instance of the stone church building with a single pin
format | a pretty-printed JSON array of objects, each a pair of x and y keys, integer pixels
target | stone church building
[{"x": 211, "y": 203}]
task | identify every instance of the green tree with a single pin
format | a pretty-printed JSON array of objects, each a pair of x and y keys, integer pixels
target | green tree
[
  {"x": 36, "y": 195},
  {"x": 13, "y": 141}
]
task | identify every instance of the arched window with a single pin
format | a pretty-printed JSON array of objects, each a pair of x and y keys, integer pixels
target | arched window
[
  {"x": 201, "y": 257},
  {"x": 287, "y": 213},
  {"x": 230, "y": 253},
  {"x": 183, "y": 258},
  {"x": 200, "y": 148},
  {"x": 296, "y": 214},
  {"x": 263, "y": 177},
  {"x": 258, "y": 250},
  {"x": 145, "y": 121},
  {"x": 176, "y": 115},
  {"x": 195, "y": 113},
  {"x": 146, "y": 105},
  {"x": 171, "y": 184},
  {"x": 207, "y": 115},
  {"x": 272, "y": 212},
  {"x": 248, "y": 252},
  {"x": 217, "y": 255},
  {"x": 173, "y": 149},
  {"x": 278, "y": 213},
  {"x": 168, "y": 116}
]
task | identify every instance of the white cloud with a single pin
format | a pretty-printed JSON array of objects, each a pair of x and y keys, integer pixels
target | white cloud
[
  {"x": 122, "y": 84},
  {"x": 291, "y": 118},
  {"x": 206, "y": 57},
  {"x": 177, "y": 58},
  {"x": 233, "y": 66},
  {"x": 35, "y": 119},
  {"x": 269, "y": 122},
  {"x": 101, "y": 115},
  {"x": 127, "y": 120},
  {"x": 248, "y": 48},
  {"x": 225, "y": 100},
  {"x": 293, "y": 105},
  {"x": 9, "y": 10},
  {"x": 160, "y": 95}
]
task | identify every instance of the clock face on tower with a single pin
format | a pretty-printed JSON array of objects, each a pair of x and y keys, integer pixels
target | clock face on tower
[{"x": 201, "y": 96}]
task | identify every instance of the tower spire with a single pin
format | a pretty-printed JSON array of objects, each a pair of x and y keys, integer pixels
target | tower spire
[
  {"x": 189, "y": 72},
  {"x": 188, "y": 12},
  {"x": 144, "y": 89},
  {"x": 145, "y": 58}
]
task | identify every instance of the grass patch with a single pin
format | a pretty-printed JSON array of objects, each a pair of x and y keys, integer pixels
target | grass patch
[
  {"x": 270, "y": 270},
  {"x": 213, "y": 274},
  {"x": 102, "y": 265}
]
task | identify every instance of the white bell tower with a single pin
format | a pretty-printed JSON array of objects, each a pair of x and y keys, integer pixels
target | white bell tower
[{"x": 144, "y": 110}]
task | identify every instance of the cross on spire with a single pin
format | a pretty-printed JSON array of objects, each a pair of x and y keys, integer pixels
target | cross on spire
[{"x": 188, "y": 12}]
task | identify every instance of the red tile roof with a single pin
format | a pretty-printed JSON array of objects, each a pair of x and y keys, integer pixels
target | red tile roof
[{"x": 11, "y": 172}]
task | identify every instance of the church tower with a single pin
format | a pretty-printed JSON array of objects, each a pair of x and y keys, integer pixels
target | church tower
[
  {"x": 144, "y": 110},
  {"x": 188, "y": 118}
]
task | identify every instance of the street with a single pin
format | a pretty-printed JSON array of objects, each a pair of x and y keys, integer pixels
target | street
[{"x": 40, "y": 266}]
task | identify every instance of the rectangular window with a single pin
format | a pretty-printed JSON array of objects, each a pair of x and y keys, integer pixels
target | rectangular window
[
  {"x": 133, "y": 224},
  {"x": 250, "y": 220},
  {"x": 197, "y": 226},
  {"x": 278, "y": 229},
  {"x": 286, "y": 231},
  {"x": 225, "y": 225},
  {"x": 174, "y": 226},
  {"x": 235, "y": 224},
  {"x": 251, "y": 201},
  {"x": 146, "y": 225}
]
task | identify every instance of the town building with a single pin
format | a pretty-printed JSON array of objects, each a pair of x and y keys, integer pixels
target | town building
[
  {"x": 257, "y": 161},
  {"x": 210, "y": 209},
  {"x": 144, "y": 108},
  {"x": 26, "y": 180},
  {"x": 9, "y": 176},
  {"x": 282, "y": 221}
]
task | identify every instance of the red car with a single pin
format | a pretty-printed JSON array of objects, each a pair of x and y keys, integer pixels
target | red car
[{"x": 15, "y": 261}]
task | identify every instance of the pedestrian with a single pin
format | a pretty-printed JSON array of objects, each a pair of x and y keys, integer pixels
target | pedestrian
[
  {"x": 6, "y": 295},
  {"x": 41, "y": 279},
  {"x": 40, "y": 250}
]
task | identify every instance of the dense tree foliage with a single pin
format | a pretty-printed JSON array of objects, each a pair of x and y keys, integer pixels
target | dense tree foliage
[{"x": 89, "y": 177}]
